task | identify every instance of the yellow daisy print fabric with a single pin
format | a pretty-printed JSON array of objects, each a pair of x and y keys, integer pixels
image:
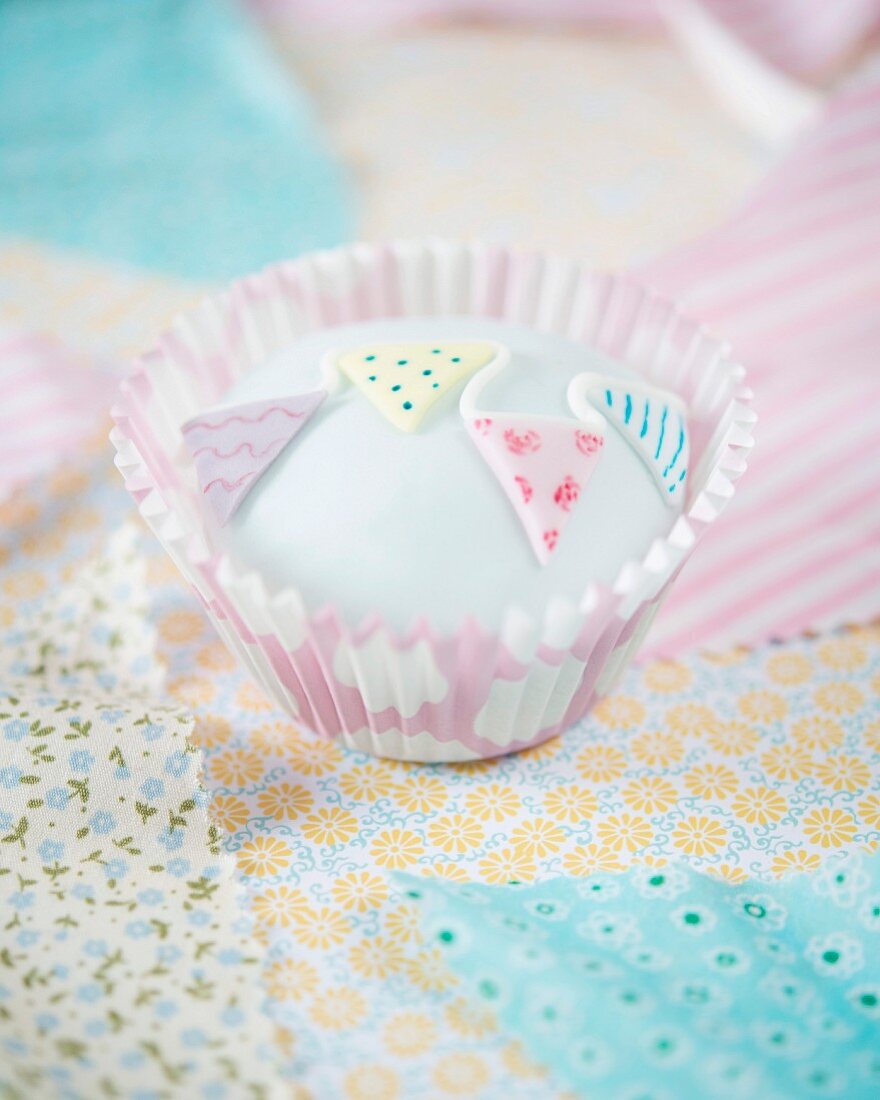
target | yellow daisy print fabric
[{"x": 746, "y": 766}]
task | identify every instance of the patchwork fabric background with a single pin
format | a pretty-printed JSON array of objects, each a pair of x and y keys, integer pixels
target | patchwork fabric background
[
  {"x": 741, "y": 764},
  {"x": 778, "y": 773}
]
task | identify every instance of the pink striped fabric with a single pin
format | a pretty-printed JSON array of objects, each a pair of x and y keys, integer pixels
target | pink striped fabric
[
  {"x": 804, "y": 38},
  {"x": 793, "y": 279},
  {"x": 48, "y": 405}
]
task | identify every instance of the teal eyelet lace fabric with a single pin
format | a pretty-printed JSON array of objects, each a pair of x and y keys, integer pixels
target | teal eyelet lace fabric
[{"x": 666, "y": 984}]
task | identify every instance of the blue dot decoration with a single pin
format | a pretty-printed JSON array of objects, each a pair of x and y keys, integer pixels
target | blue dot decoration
[{"x": 372, "y": 369}]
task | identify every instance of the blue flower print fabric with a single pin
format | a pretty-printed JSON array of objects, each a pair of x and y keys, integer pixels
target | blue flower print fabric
[
  {"x": 127, "y": 966},
  {"x": 666, "y": 984}
]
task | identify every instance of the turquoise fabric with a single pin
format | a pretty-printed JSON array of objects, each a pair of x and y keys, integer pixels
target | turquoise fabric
[
  {"x": 665, "y": 984},
  {"x": 161, "y": 133}
]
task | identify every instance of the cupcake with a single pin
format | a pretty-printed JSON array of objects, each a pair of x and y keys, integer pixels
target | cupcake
[{"x": 432, "y": 495}]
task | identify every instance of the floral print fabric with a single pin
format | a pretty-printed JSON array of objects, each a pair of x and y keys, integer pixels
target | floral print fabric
[
  {"x": 662, "y": 982},
  {"x": 127, "y": 966}
]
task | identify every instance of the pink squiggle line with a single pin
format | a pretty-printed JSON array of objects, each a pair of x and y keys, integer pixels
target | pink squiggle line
[
  {"x": 230, "y": 485},
  {"x": 242, "y": 419},
  {"x": 238, "y": 449}
]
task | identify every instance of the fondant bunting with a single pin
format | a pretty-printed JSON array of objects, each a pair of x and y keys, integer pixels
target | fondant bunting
[
  {"x": 233, "y": 447},
  {"x": 403, "y": 381},
  {"x": 654, "y": 422},
  {"x": 543, "y": 464}
]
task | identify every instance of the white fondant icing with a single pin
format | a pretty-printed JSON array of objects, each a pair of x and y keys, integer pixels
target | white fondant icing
[
  {"x": 591, "y": 418},
  {"x": 410, "y": 525},
  {"x": 395, "y": 745},
  {"x": 467, "y": 404},
  {"x": 388, "y": 677},
  {"x": 536, "y": 702}
]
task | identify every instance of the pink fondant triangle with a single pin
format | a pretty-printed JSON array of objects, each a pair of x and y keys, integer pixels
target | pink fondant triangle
[
  {"x": 233, "y": 447},
  {"x": 543, "y": 464}
]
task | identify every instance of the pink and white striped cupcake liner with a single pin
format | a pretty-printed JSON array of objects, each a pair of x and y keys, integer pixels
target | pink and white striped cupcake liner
[{"x": 426, "y": 695}]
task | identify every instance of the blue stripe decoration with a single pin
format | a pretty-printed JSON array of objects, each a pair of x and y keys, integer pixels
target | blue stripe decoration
[
  {"x": 659, "y": 435},
  {"x": 662, "y": 431},
  {"x": 678, "y": 448}
]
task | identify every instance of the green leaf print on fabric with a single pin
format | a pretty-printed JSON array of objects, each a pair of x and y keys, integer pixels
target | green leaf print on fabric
[{"x": 125, "y": 960}]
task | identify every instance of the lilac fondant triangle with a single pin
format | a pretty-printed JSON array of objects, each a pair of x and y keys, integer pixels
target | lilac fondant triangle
[
  {"x": 233, "y": 447},
  {"x": 543, "y": 464}
]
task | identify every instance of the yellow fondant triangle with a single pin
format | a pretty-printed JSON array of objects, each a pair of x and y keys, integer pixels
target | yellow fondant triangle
[{"x": 403, "y": 381}]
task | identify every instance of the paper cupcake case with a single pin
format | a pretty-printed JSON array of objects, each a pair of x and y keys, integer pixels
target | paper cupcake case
[{"x": 425, "y": 695}]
